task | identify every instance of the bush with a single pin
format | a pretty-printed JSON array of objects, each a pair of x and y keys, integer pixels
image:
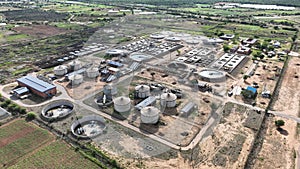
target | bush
[
  {"x": 279, "y": 123},
  {"x": 30, "y": 116},
  {"x": 22, "y": 111}
]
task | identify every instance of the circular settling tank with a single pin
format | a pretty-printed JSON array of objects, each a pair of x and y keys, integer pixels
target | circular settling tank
[
  {"x": 57, "y": 110},
  {"x": 88, "y": 126},
  {"x": 177, "y": 65},
  {"x": 139, "y": 57},
  {"x": 212, "y": 76},
  {"x": 104, "y": 100}
]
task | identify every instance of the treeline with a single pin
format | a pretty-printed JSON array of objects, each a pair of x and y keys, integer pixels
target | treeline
[
  {"x": 34, "y": 15},
  {"x": 177, "y": 3}
]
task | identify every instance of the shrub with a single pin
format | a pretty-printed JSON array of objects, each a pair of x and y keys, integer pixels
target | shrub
[
  {"x": 279, "y": 123},
  {"x": 30, "y": 116}
]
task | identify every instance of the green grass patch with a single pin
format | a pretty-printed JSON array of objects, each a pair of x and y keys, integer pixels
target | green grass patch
[
  {"x": 21, "y": 138},
  {"x": 16, "y": 37},
  {"x": 56, "y": 155}
]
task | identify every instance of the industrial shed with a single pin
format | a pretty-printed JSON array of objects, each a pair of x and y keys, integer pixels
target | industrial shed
[{"x": 37, "y": 86}]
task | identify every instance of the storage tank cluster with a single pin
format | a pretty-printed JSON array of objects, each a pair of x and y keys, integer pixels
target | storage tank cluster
[
  {"x": 122, "y": 104},
  {"x": 60, "y": 70},
  {"x": 142, "y": 91},
  {"x": 75, "y": 65},
  {"x": 76, "y": 79},
  {"x": 168, "y": 100},
  {"x": 150, "y": 115},
  {"x": 92, "y": 72}
]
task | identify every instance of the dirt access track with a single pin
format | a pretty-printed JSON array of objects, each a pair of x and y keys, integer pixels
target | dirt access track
[{"x": 40, "y": 31}]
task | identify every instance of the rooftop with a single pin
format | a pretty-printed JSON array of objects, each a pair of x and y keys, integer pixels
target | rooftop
[
  {"x": 252, "y": 89},
  {"x": 36, "y": 83}
]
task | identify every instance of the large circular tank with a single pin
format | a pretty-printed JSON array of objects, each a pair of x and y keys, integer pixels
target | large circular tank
[
  {"x": 115, "y": 52},
  {"x": 60, "y": 70},
  {"x": 92, "y": 72},
  {"x": 75, "y": 65},
  {"x": 173, "y": 39},
  {"x": 57, "y": 110},
  {"x": 76, "y": 79},
  {"x": 150, "y": 115},
  {"x": 142, "y": 91},
  {"x": 88, "y": 127},
  {"x": 168, "y": 100},
  {"x": 104, "y": 100},
  {"x": 122, "y": 104},
  {"x": 109, "y": 89},
  {"x": 157, "y": 36},
  {"x": 140, "y": 57},
  {"x": 212, "y": 75}
]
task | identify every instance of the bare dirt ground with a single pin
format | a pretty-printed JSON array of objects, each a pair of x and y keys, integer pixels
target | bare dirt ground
[
  {"x": 89, "y": 86},
  {"x": 229, "y": 145},
  {"x": 279, "y": 146},
  {"x": 263, "y": 77},
  {"x": 40, "y": 31}
]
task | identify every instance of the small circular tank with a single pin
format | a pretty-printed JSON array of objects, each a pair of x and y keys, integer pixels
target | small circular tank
[
  {"x": 150, "y": 115},
  {"x": 142, "y": 91},
  {"x": 92, "y": 72},
  {"x": 76, "y": 79},
  {"x": 122, "y": 104},
  {"x": 110, "y": 90},
  {"x": 168, "y": 100},
  {"x": 75, "y": 65},
  {"x": 60, "y": 70}
]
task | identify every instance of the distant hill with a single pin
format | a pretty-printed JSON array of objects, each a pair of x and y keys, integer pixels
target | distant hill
[{"x": 190, "y": 2}]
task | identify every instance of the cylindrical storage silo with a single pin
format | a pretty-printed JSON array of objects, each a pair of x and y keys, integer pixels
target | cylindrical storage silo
[
  {"x": 168, "y": 100},
  {"x": 110, "y": 90},
  {"x": 60, "y": 70},
  {"x": 92, "y": 72},
  {"x": 122, "y": 104},
  {"x": 150, "y": 115},
  {"x": 142, "y": 91},
  {"x": 75, "y": 65},
  {"x": 76, "y": 79}
]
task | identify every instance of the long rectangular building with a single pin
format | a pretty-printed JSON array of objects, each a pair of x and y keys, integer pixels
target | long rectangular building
[{"x": 37, "y": 86}]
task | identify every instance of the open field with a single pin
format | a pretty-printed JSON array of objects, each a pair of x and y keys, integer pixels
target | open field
[
  {"x": 19, "y": 138},
  {"x": 78, "y": 9},
  {"x": 232, "y": 138},
  {"x": 280, "y": 145},
  {"x": 55, "y": 155},
  {"x": 40, "y": 31},
  {"x": 33, "y": 15}
]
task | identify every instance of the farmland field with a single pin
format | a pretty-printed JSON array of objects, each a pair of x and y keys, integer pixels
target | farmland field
[
  {"x": 55, "y": 155},
  {"x": 25, "y": 145},
  {"x": 19, "y": 138}
]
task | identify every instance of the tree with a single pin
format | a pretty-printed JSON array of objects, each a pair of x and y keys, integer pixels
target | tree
[
  {"x": 245, "y": 77},
  {"x": 226, "y": 48},
  {"x": 279, "y": 123},
  {"x": 247, "y": 94},
  {"x": 30, "y": 116},
  {"x": 259, "y": 54},
  {"x": 152, "y": 74}
]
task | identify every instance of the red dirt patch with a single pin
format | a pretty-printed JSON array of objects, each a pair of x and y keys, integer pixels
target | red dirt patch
[
  {"x": 16, "y": 136},
  {"x": 40, "y": 30}
]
